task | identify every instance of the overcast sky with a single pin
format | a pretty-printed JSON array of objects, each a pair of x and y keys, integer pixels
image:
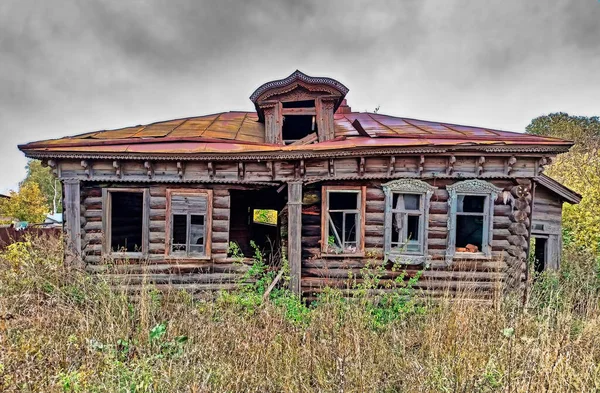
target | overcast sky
[{"x": 68, "y": 67}]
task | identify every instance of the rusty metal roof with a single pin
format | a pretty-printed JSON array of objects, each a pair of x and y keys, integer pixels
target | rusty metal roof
[{"x": 241, "y": 132}]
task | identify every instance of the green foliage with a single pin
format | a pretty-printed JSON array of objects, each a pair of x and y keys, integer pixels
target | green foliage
[
  {"x": 48, "y": 184},
  {"x": 26, "y": 205},
  {"x": 61, "y": 331},
  {"x": 579, "y": 169}
]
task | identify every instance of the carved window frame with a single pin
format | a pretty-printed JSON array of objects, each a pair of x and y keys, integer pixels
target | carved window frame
[
  {"x": 361, "y": 210},
  {"x": 208, "y": 194},
  {"x": 479, "y": 188},
  {"x": 425, "y": 192}
]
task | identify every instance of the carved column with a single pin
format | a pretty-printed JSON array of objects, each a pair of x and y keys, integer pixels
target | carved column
[
  {"x": 72, "y": 221},
  {"x": 516, "y": 253},
  {"x": 295, "y": 234}
]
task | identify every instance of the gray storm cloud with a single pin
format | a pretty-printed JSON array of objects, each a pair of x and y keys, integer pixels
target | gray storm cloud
[{"x": 68, "y": 67}]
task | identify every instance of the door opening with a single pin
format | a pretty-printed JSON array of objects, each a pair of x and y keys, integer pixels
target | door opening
[
  {"x": 540, "y": 253},
  {"x": 254, "y": 217}
]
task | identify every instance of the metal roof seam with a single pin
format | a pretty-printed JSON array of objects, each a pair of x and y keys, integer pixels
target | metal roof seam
[{"x": 422, "y": 129}]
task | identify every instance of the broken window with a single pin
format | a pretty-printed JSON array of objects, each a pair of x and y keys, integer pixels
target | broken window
[
  {"x": 299, "y": 120},
  {"x": 407, "y": 222},
  {"x": 471, "y": 217},
  {"x": 406, "y": 216},
  {"x": 126, "y": 221},
  {"x": 189, "y": 224},
  {"x": 343, "y": 212},
  {"x": 470, "y": 214}
]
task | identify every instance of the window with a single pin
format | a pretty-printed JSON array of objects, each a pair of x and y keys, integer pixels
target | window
[
  {"x": 470, "y": 218},
  {"x": 343, "y": 209},
  {"x": 125, "y": 222},
  {"x": 299, "y": 120},
  {"x": 189, "y": 223},
  {"x": 406, "y": 220}
]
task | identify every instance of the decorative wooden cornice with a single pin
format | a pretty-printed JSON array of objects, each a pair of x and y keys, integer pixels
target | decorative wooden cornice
[{"x": 298, "y": 76}]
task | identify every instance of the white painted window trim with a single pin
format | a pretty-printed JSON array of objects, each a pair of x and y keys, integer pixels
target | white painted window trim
[
  {"x": 472, "y": 187},
  {"x": 414, "y": 187}
]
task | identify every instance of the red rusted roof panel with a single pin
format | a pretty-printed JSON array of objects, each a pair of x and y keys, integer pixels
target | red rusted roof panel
[{"x": 232, "y": 132}]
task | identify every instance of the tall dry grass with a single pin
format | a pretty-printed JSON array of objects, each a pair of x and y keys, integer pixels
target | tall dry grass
[{"x": 64, "y": 331}]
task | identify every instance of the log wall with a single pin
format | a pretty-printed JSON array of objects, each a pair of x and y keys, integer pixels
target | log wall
[{"x": 479, "y": 277}]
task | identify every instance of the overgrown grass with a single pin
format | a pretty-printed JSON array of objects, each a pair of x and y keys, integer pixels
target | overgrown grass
[{"x": 64, "y": 331}]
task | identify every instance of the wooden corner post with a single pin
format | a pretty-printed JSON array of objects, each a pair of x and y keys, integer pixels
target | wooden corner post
[
  {"x": 72, "y": 221},
  {"x": 295, "y": 234}
]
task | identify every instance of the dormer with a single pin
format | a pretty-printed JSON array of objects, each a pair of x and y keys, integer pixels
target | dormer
[{"x": 298, "y": 106}]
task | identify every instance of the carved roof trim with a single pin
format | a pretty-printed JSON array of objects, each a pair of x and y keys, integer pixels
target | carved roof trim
[{"x": 298, "y": 76}]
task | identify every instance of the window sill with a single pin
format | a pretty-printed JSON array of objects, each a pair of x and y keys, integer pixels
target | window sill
[
  {"x": 355, "y": 255},
  {"x": 471, "y": 255},
  {"x": 124, "y": 255},
  {"x": 171, "y": 258},
  {"x": 407, "y": 259}
]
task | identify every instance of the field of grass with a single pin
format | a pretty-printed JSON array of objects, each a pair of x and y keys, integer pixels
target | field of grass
[{"x": 63, "y": 331}]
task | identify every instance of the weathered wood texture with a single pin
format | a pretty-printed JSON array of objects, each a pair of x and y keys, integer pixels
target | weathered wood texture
[
  {"x": 481, "y": 277},
  {"x": 72, "y": 204},
  {"x": 547, "y": 223},
  {"x": 484, "y": 277},
  {"x": 310, "y": 169},
  {"x": 294, "y": 234}
]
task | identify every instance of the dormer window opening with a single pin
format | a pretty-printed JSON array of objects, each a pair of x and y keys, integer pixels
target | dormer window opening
[{"x": 299, "y": 120}]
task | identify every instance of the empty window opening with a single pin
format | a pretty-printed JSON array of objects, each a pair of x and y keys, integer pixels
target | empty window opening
[
  {"x": 126, "y": 220},
  {"x": 343, "y": 221},
  {"x": 299, "y": 104},
  {"x": 188, "y": 224},
  {"x": 407, "y": 222},
  {"x": 470, "y": 213},
  {"x": 540, "y": 253},
  {"x": 296, "y": 127},
  {"x": 254, "y": 218}
]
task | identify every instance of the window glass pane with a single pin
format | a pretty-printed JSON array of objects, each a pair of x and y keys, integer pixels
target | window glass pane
[
  {"x": 343, "y": 200},
  {"x": 470, "y": 203},
  {"x": 127, "y": 212},
  {"x": 351, "y": 220},
  {"x": 179, "y": 224},
  {"x": 469, "y": 231},
  {"x": 197, "y": 228},
  {"x": 412, "y": 202},
  {"x": 412, "y": 228},
  {"x": 335, "y": 236}
]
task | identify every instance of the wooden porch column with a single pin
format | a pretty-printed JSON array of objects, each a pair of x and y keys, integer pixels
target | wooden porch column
[
  {"x": 72, "y": 221},
  {"x": 295, "y": 234}
]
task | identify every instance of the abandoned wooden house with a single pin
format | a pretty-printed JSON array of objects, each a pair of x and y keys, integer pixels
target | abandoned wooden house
[{"x": 341, "y": 190}]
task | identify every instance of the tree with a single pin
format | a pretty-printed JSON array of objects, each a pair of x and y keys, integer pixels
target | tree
[
  {"x": 48, "y": 184},
  {"x": 578, "y": 169},
  {"x": 28, "y": 204}
]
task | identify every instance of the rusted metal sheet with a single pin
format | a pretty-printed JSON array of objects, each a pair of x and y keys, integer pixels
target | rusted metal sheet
[{"x": 235, "y": 132}]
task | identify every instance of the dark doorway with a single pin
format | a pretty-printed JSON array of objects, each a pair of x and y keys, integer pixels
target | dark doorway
[
  {"x": 255, "y": 217},
  {"x": 540, "y": 254}
]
